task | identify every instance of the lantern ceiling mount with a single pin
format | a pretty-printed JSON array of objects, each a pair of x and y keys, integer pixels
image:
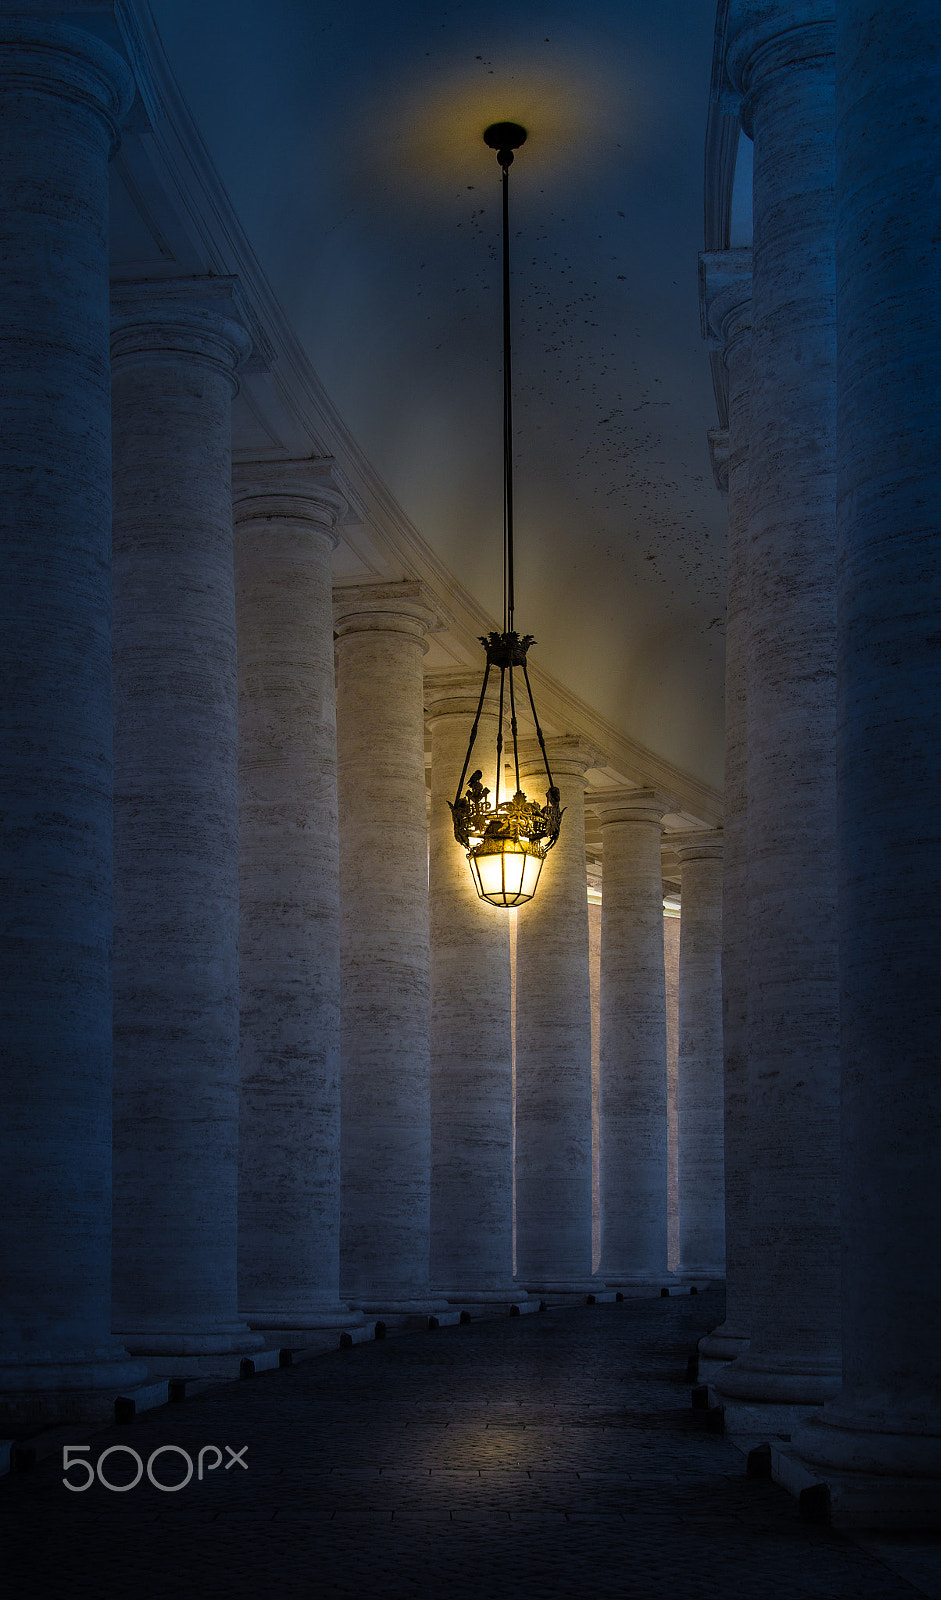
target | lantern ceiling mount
[
  {"x": 507, "y": 841},
  {"x": 504, "y": 137}
]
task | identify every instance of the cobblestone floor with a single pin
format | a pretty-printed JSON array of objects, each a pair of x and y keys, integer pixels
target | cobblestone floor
[{"x": 554, "y": 1455}]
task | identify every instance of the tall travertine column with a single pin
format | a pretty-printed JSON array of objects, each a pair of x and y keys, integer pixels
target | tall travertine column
[
  {"x": 782, "y": 62},
  {"x": 878, "y": 1445},
  {"x": 175, "y": 349},
  {"x": 633, "y": 1111},
  {"x": 700, "y": 1099},
  {"x": 671, "y": 973},
  {"x": 553, "y": 1042},
  {"x": 286, "y": 515},
  {"x": 727, "y": 282},
  {"x": 62, "y": 95},
  {"x": 384, "y": 956},
  {"x": 594, "y": 970},
  {"x": 471, "y": 1082}
]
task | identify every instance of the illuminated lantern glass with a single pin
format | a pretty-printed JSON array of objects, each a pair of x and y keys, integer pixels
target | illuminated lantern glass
[{"x": 506, "y": 871}]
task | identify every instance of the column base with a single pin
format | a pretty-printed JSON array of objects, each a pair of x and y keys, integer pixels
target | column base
[
  {"x": 57, "y": 1387},
  {"x": 717, "y": 1349},
  {"x": 576, "y": 1284},
  {"x": 724, "y": 1343},
  {"x": 786, "y": 1382},
  {"x": 303, "y": 1320},
  {"x": 421, "y": 1306},
  {"x": 220, "y": 1338},
  {"x": 510, "y": 1294},
  {"x": 881, "y": 1462},
  {"x": 764, "y": 1395},
  {"x": 649, "y": 1283}
]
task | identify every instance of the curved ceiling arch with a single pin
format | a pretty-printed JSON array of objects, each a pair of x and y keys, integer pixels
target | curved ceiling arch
[{"x": 349, "y": 143}]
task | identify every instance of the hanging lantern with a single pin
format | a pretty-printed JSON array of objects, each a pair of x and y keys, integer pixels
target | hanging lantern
[{"x": 506, "y": 840}]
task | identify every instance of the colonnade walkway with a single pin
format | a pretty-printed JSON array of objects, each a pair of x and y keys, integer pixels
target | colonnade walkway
[{"x": 555, "y": 1454}]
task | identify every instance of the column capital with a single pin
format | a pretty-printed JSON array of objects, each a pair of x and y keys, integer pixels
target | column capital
[
  {"x": 405, "y": 607},
  {"x": 196, "y": 319},
  {"x": 630, "y": 805},
  {"x": 453, "y": 694},
  {"x": 305, "y": 492},
  {"x": 705, "y": 846},
  {"x": 768, "y": 39},
  {"x": 569, "y": 755},
  {"x": 49, "y": 57}
]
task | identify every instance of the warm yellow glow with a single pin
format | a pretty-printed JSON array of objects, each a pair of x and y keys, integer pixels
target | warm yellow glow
[
  {"x": 507, "y": 875},
  {"x": 430, "y": 135}
]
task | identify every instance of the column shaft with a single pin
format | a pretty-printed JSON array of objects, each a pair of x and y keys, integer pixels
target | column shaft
[
  {"x": 175, "y": 347},
  {"x": 471, "y": 1085},
  {"x": 671, "y": 972},
  {"x": 785, "y": 70},
  {"x": 700, "y": 1096},
  {"x": 879, "y": 1443},
  {"x": 553, "y": 1045},
  {"x": 62, "y": 93},
  {"x": 289, "y": 940},
  {"x": 633, "y": 1109},
  {"x": 728, "y": 286},
  {"x": 384, "y": 954}
]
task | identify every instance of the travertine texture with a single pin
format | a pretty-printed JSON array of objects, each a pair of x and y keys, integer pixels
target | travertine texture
[
  {"x": 728, "y": 276},
  {"x": 783, "y": 62},
  {"x": 633, "y": 1040},
  {"x": 62, "y": 94},
  {"x": 175, "y": 348},
  {"x": 700, "y": 1099},
  {"x": 471, "y": 1086},
  {"x": 594, "y": 967},
  {"x": 385, "y": 1051},
  {"x": 553, "y": 1043},
  {"x": 289, "y": 922},
  {"x": 885, "y": 1427},
  {"x": 671, "y": 973}
]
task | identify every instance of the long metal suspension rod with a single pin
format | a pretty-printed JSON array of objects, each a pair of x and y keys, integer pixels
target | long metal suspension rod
[
  {"x": 499, "y": 773},
  {"x": 508, "y": 584}
]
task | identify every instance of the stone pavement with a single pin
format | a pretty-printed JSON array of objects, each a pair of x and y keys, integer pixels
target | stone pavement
[{"x": 556, "y": 1455}]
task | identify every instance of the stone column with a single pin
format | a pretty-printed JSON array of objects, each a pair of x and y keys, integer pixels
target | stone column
[
  {"x": 594, "y": 971},
  {"x": 175, "y": 349},
  {"x": 700, "y": 1100},
  {"x": 671, "y": 973},
  {"x": 878, "y": 1445},
  {"x": 782, "y": 62},
  {"x": 727, "y": 285},
  {"x": 633, "y": 1040},
  {"x": 62, "y": 95},
  {"x": 286, "y": 515},
  {"x": 553, "y": 1042},
  {"x": 384, "y": 955},
  {"x": 471, "y": 1078}
]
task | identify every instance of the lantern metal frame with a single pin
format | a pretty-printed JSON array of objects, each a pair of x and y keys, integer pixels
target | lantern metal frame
[{"x": 508, "y": 840}]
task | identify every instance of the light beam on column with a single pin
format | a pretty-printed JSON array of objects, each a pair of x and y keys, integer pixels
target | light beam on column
[
  {"x": 286, "y": 516},
  {"x": 384, "y": 948}
]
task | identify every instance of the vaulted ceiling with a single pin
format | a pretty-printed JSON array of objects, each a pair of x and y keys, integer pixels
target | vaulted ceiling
[{"x": 348, "y": 141}]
